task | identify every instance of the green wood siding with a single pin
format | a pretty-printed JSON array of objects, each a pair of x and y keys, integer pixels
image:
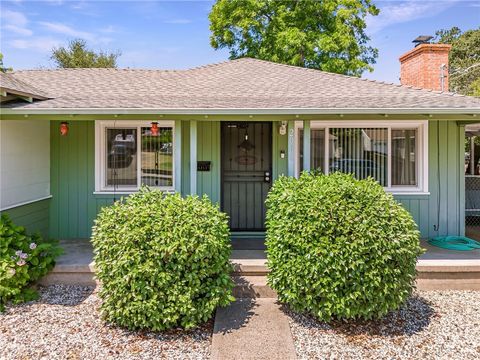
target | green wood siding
[
  {"x": 208, "y": 149},
  {"x": 280, "y": 143},
  {"x": 74, "y": 206},
  {"x": 34, "y": 216},
  {"x": 424, "y": 208}
]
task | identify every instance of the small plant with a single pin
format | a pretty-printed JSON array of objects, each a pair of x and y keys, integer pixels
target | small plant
[
  {"x": 163, "y": 260},
  {"x": 23, "y": 259},
  {"x": 339, "y": 247}
]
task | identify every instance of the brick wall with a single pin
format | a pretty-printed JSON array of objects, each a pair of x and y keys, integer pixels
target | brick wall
[{"x": 421, "y": 66}]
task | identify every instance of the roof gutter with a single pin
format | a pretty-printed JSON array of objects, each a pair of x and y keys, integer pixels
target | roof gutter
[{"x": 234, "y": 111}]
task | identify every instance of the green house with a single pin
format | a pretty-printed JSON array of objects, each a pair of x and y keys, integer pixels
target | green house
[{"x": 75, "y": 140}]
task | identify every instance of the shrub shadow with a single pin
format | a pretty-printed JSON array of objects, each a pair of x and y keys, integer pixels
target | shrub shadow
[
  {"x": 237, "y": 314},
  {"x": 413, "y": 317},
  {"x": 66, "y": 295},
  {"x": 198, "y": 334}
]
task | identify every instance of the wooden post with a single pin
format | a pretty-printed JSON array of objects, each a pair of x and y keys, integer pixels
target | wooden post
[
  {"x": 306, "y": 145},
  {"x": 177, "y": 154},
  {"x": 193, "y": 157},
  {"x": 291, "y": 148},
  {"x": 472, "y": 155}
]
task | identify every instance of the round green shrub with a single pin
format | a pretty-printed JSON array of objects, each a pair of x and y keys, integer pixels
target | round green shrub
[
  {"x": 338, "y": 247},
  {"x": 162, "y": 260}
]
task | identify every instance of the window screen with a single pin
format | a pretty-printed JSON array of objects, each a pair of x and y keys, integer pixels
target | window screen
[
  {"x": 359, "y": 151},
  {"x": 317, "y": 149},
  {"x": 157, "y": 157},
  {"x": 121, "y": 154},
  {"x": 404, "y": 157}
]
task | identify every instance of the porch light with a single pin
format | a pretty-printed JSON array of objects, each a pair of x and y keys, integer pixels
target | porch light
[
  {"x": 64, "y": 128},
  {"x": 154, "y": 128},
  {"x": 246, "y": 145}
]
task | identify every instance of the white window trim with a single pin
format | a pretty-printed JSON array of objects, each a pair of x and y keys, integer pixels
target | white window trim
[
  {"x": 100, "y": 158},
  {"x": 422, "y": 148}
]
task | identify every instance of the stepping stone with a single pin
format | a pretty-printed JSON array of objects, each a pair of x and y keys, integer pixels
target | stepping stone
[{"x": 252, "y": 329}]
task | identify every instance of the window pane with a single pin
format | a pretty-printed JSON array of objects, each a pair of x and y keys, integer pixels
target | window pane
[
  {"x": 404, "y": 157},
  {"x": 121, "y": 155},
  {"x": 359, "y": 151},
  {"x": 317, "y": 149},
  {"x": 157, "y": 157}
]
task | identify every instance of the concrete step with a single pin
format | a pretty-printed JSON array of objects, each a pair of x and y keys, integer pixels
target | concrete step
[
  {"x": 448, "y": 274},
  {"x": 74, "y": 274},
  {"x": 249, "y": 262},
  {"x": 438, "y": 269},
  {"x": 252, "y": 287}
]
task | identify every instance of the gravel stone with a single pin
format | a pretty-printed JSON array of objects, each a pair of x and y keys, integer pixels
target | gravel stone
[
  {"x": 65, "y": 324},
  {"x": 431, "y": 325}
]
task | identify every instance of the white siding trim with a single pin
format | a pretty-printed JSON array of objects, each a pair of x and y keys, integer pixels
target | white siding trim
[{"x": 25, "y": 203}]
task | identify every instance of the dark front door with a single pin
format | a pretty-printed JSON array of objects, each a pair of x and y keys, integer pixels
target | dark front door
[{"x": 246, "y": 173}]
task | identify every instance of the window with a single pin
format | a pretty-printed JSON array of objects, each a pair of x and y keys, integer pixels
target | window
[
  {"x": 404, "y": 157},
  {"x": 317, "y": 145},
  {"x": 393, "y": 153},
  {"x": 128, "y": 155}
]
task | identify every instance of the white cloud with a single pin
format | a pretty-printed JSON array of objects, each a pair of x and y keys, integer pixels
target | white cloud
[
  {"x": 67, "y": 30},
  {"x": 18, "y": 30},
  {"x": 14, "y": 17},
  {"x": 15, "y": 21},
  {"x": 405, "y": 11},
  {"x": 178, "y": 21},
  {"x": 40, "y": 44}
]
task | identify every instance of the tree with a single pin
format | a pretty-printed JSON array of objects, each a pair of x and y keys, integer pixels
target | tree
[
  {"x": 328, "y": 35},
  {"x": 464, "y": 59},
  {"x": 77, "y": 55},
  {"x": 2, "y": 67}
]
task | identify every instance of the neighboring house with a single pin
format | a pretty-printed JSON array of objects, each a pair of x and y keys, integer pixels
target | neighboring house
[{"x": 227, "y": 130}]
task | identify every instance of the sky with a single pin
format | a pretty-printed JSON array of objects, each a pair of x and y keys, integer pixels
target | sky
[{"x": 175, "y": 34}]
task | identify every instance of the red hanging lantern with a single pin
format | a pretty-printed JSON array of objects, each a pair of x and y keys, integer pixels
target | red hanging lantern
[
  {"x": 154, "y": 128},
  {"x": 64, "y": 128}
]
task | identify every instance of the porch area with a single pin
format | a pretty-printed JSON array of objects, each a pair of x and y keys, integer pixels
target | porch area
[{"x": 438, "y": 269}]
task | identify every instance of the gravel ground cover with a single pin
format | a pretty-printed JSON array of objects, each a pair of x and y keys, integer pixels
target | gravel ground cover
[
  {"x": 65, "y": 324},
  {"x": 432, "y": 325}
]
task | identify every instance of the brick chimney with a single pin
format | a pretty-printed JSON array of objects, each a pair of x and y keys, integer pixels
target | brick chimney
[{"x": 426, "y": 65}]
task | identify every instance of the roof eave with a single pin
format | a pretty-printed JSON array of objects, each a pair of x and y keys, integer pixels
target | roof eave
[
  {"x": 235, "y": 111},
  {"x": 16, "y": 92}
]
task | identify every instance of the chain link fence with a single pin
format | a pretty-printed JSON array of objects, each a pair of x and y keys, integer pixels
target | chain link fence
[{"x": 472, "y": 201}]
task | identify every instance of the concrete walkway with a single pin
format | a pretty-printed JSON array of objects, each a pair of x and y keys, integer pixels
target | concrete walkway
[{"x": 252, "y": 329}]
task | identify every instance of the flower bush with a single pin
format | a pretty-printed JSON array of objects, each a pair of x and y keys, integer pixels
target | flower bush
[
  {"x": 162, "y": 260},
  {"x": 338, "y": 247},
  {"x": 23, "y": 259}
]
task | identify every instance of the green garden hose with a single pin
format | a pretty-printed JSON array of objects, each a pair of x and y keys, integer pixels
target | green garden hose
[{"x": 461, "y": 243}]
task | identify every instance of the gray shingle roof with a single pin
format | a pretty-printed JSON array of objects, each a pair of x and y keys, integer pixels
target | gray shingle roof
[
  {"x": 237, "y": 84},
  {"x": 11, "y": 84}
]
